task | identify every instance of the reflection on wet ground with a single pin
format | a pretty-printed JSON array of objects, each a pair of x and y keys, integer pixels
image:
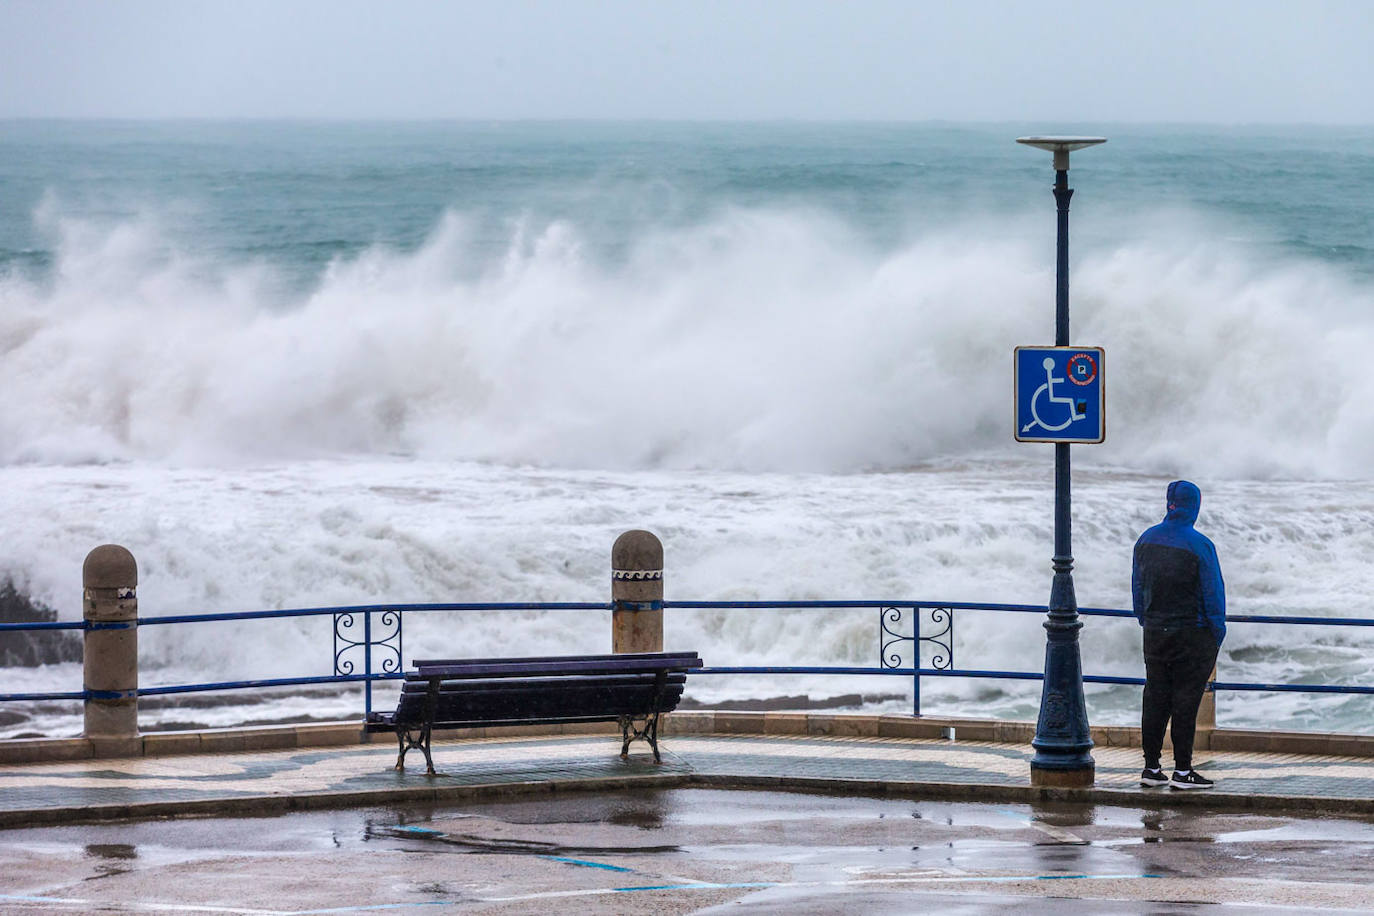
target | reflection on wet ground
[{"x": 694, "y": 849}]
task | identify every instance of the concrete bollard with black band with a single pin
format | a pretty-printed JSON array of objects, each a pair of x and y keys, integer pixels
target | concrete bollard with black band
[
  {"x": 637, "y": 593},
  {"x": 110, "y": 607},
  {"x": 1207, "y": 715}
]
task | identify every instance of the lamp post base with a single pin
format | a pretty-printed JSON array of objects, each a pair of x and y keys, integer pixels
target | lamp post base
[{"x": 1081, "y": 778}]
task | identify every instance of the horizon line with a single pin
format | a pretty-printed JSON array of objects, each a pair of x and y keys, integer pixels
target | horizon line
[{"x": 477, "y": 119}]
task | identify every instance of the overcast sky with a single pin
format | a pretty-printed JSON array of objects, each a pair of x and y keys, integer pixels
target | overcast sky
[{"x": 1145, "y": 60}]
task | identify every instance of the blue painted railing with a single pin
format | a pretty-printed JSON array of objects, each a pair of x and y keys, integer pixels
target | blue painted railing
[{"x": 902, "y": 635}]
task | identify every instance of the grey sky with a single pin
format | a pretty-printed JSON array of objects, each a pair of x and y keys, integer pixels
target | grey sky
[{"x": 1164, "y": 60}]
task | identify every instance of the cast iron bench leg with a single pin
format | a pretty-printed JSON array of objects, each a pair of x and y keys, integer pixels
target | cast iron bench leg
[
  {"x": 648, "y": 733},
  {"x": 424, "y": 746},
  {"x": 651, "y": 735},
  {"x": 431, "y": 704},
  {"x": 408, "y": 738}
]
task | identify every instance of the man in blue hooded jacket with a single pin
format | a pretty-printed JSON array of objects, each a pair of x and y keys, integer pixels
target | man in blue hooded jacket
[{"x": 1180, "y": 600}]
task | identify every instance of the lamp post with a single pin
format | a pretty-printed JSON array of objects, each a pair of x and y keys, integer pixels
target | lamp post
[{"x": 1062, "y": 741}]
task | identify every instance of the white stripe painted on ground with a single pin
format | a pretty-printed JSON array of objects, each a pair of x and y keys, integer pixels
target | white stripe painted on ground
[
  {"x": 136, "y": 905},
  {"x": 1059, "y": 833}
]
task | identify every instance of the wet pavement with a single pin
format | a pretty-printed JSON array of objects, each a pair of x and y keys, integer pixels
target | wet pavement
[
  {"x": 302, "y": 778},
  {"x": 522, "y": 824},
  {"x": 699, "y": 850}
]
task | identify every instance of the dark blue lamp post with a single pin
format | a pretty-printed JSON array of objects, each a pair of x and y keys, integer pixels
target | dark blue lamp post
[{"x": 1062, "y": 741}]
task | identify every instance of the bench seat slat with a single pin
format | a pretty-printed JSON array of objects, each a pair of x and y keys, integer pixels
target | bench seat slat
[
  {"x": 379, "y": 724},
  {"x": 386, "y": 722},
  {"x": 503, "y": 693},
  {"x": 589, "y": 694}
]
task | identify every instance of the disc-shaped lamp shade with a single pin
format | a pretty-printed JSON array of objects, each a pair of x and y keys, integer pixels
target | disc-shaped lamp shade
[{"x": 1061, "y": 147}]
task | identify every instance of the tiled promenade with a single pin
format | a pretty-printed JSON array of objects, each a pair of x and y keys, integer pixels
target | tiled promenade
[{"x": 306, "y": 778}]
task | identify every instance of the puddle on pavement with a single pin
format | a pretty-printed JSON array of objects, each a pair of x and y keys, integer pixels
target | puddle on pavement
[
  {"x": 810, "y": 831},
  {"x": 710, "y": 807},
  {"x": 689, "y": 812},
  {"x": 709, "y": 824},
  {"x": 471, "y": 843}
]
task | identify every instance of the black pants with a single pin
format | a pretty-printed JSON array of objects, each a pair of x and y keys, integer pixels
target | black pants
[{"x": 1178, "y": 662}]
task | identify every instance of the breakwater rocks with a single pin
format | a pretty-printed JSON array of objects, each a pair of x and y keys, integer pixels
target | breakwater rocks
[{"x": 30, "y": 648}]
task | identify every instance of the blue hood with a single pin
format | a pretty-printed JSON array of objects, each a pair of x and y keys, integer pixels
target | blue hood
[
  {"x": 1183, "y": 501},
  {"x": 1162, "y": 592}
]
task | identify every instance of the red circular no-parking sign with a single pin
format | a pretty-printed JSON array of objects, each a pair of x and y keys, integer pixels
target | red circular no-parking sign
[{"x": 1081, "y": 369}]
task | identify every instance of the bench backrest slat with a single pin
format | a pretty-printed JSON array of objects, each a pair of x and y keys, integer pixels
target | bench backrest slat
[
  {"x": 429, "y": 662},
  {"x": 535, "y": 667},
  {"x": 420, "y": 686}
]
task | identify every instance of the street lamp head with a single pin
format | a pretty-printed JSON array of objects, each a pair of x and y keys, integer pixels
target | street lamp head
[{"x": 1061, "y": 147}]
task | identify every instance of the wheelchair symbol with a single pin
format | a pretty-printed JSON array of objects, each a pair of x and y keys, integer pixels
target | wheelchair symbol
[{"x": 1073, "y": 408}]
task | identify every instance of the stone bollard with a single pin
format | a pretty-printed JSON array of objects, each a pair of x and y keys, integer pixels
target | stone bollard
[
  {"x": 110, "y": 581},
  {"x": 637, "y": 593},
  {"x": 1207, "y": 715}
]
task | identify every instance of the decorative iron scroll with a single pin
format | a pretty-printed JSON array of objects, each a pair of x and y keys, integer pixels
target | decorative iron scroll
[
  {"x": 892, "y": 634},
  {"x": 388, "y": 644}
]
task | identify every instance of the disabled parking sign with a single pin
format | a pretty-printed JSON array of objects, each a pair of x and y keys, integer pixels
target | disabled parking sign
[{"x": 1060, "y": 394}]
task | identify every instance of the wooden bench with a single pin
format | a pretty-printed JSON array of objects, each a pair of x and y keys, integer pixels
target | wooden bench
[{"x": 471, "y": 693}]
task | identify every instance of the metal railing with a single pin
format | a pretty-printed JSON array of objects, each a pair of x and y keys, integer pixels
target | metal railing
[{"x": 370, "y": 638}]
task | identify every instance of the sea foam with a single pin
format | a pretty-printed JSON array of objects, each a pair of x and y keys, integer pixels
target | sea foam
[
  {"x": 758, "y": 340},
  {"x": 797, "y": 413}
]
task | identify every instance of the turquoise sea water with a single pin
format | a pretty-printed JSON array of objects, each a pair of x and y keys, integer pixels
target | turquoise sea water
[{"x": 300, "y": 194}]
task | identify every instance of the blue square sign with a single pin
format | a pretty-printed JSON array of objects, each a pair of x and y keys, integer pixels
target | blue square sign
[{"x": 1060, "y": 394}]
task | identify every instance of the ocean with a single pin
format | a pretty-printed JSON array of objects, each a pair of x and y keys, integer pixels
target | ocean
[{"x": 295, "y": 364}]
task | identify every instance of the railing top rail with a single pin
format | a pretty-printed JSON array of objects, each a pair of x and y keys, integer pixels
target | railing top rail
[
  {"x": 980, "y": 606},
  {"x": 1305, "y": 621},
  {"x": 856, "y": 603},
  {"x": 46, "y": 625},
  {"x": 679, "y": 605},
  {"x": 382, "y": 609}
]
